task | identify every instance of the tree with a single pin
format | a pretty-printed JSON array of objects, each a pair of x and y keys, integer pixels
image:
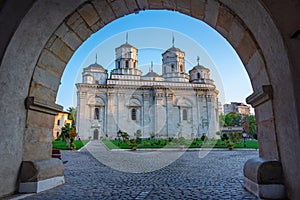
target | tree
[
  {"x": 138, "y": 136},
  {"x": 222, "y": 119},
  {"x": 252, "y": 124},
  {"x": 65, "y": 132},
  {"x": 233, "y": 119},
  {"x": 72, "y": 113},
  {"x": 124, "y": 135}
]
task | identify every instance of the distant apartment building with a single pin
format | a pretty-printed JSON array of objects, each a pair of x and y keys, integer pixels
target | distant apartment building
[
  {"x": 236, "y": 107},
  {"x": 220, "y": 107},
  {"x": 60, "y": 120}
]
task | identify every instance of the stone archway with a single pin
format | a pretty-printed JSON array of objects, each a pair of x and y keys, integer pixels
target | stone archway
[{"x": 41, "y": 59}]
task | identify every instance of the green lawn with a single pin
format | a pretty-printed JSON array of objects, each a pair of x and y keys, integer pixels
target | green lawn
[
  {"x": 62, "y": 145},
  {"x": 113, "y": 144}
]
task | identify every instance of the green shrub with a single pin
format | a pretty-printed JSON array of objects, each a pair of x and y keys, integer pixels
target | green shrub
[
  {"x": 203, "y": 137},
  {"x": 157, "y": 142},
  {"x": 224, "y": 137}
]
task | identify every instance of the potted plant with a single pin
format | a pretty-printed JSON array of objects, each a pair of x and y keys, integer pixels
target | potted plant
[
  {"x": 133, "y": 145},
  {"x": 228, "y": 142},
  {"x": 230, "y": 145}
]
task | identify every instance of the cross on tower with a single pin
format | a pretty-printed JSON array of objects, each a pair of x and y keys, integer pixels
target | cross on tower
[
  {"x": 173, "y": 39},
  {"x": 151, "y": 66},
  {"x": 198, "y": 59}
]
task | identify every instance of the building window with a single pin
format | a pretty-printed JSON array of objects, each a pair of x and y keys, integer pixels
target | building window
[
  {"x": 127, "y": 64},
  {"x": 96, "y": 113},
  {"x": 172, "y": 68},
  {"x": 184, "y": 114},
  {"x": 57, "y": 134},
  {"x": 198, "y": 75},
  {"x": 133, "y": 114},
  {"x": 58, "y": 122},
  {"x": 181, "y": 68},
  {"x": 134, "y": 65}
]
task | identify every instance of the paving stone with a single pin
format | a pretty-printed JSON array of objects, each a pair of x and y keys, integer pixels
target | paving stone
[{"x": 216, "y": 176}]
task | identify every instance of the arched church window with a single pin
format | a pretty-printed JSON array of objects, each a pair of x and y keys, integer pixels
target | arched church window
[
  {"x": 134, "y": 65},
  {"x": 127, "y": 64},
  {"x": 96, "y": 113},
  {"x": 119, "y": 64},
  {"x": 181, "y": 68},
  {"x": 198, "y": 75},
  {"x": 172, "y": 67},
  {"x": 184, "y": 114},
  {"x": 133, "y": 114}
]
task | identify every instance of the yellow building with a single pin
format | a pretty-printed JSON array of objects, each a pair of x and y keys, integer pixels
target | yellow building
[{"x": 60, "y": 120}]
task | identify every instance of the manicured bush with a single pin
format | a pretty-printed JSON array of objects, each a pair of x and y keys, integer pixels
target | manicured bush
[
  {"x": 224, "y": 137},
  {"x": 176, "y": 143},
  {"x": 203, "y": 137},
  {"x": 62, "y": 144}
]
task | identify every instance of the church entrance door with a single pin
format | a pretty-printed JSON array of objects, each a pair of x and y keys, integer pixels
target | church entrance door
[{"x": 96, "y": 134}]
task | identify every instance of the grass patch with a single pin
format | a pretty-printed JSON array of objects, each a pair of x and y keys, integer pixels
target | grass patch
[
  {"x": 62, "y": 145},
  {"x": 166, "y": 143}
]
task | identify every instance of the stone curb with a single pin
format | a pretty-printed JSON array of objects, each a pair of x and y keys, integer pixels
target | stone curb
[{"x": 178, "y": 149}]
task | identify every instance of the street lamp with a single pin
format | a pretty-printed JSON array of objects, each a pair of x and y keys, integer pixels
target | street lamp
[
  {"x": 119, "y": 135},
  {"x": 244, "y": 136}
]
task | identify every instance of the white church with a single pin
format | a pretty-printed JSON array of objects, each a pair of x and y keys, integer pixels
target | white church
[{"x": 174, "y": 104}]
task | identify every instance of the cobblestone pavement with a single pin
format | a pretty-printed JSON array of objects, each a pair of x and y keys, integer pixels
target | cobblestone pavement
[{"x": 215, "y": 176}]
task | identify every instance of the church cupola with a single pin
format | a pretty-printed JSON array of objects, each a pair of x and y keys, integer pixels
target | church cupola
[
  {"x": 152, "y": 76},
  {"x": 94, "y": 74},
  {"x": 200, "y": 74},
  {"x": 126, "y": 60},
  {"x": 173, "y": 65}
]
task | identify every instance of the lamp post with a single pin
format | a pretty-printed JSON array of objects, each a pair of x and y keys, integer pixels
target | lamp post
[
  {"x": 244, "y": 136},
  {"x": 119, "y": 135}
]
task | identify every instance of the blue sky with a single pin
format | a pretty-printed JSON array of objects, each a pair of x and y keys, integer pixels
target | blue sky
[{"x": 151, "y": 32}]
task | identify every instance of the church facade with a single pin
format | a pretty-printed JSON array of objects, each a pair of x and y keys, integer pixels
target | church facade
[{"x": 174, "y": 104}]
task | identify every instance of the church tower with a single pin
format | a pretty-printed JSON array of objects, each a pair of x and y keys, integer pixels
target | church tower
[
  {"x": 173, "y": 65},
  {"x": 126, "y": 60},
  {"x": 200, "y": 74},
  {"x": 94, "y": 74}
]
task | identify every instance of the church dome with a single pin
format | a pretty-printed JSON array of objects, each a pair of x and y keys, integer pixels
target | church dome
[
  {"x": 127, "y": 45},
  {"x": 151, "y": 74},
  {"x": 200, "y": 74},
  {"x": 95, "y": 66},
  {"x": 201, "y": 67},
  {"x": 173, "y": 49}
]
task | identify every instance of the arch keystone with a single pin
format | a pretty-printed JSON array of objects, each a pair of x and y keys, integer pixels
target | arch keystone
[
  {"x": 79, "y": 26},
  {"x": 198, "y": 9},
  {"x": 246, "y": 48},
  {"x": 211, "y": 13},
  {"x": 224, "y": 22},
  {"x": 104, "y": 10},
  {"x": 119, "y": 7},
  {"x": 89, "y": 14}
]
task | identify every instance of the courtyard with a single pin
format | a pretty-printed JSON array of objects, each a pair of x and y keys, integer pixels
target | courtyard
[{"x": 213, "y": 174}]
